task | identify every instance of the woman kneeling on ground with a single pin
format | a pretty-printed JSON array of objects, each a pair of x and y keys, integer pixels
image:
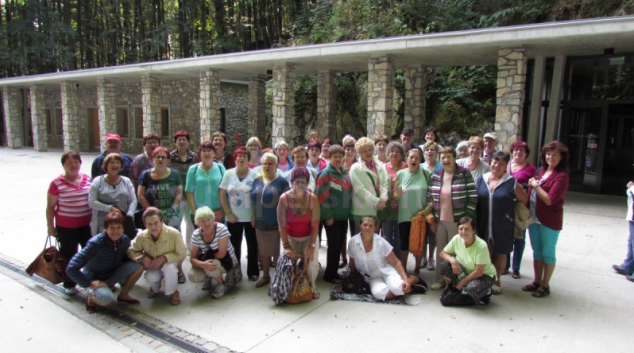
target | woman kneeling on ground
[
  {"x": 212, "y": 237},
  {"x": 372, "y": 256},
  {"x": 103, "y": 262},
  {"x": 467, "y": 262}
]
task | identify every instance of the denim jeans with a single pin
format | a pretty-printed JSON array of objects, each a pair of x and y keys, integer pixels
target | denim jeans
[
  {"x": 518, "y": 252},
  {"x": 391, "y": 234},
  {"x": 104, "y": 295},
  {"x": 628, "y": 263}
]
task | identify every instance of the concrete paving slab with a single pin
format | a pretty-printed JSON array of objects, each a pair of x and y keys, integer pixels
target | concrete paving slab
[{"x": 589, "y": 309}]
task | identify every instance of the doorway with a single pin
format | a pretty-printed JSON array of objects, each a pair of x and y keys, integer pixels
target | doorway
[{"x": 94, "y": 123}]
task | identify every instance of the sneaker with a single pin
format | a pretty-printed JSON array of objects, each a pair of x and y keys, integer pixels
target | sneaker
[
  {"x": 431, "y": 265},
  {"x": 207, "y": 283},
  {"x": 423, "y": 262},
  {"x": 219, "y": 292},
  {"x": 619, "y": 270},
  {"x": 70, "y": 291},
  {"x": 437, "y": 286},
  {"x": 420, "y": 286},
  {"x": 181, "y": 278}
]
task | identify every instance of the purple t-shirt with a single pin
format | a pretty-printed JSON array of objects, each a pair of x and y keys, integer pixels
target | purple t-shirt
[{"x": 524, "y": 174}]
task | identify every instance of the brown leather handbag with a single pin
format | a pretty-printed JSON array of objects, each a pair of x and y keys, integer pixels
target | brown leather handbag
[
  {"x": 50, "y": 264},
  {"x": 301, "y": 291}
]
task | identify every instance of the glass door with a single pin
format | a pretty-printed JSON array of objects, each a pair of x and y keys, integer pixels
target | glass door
[{"x": 619, "y": 149}]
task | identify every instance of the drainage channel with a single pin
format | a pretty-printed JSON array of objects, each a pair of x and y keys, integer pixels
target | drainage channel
[{"x": 116, "y": 315}]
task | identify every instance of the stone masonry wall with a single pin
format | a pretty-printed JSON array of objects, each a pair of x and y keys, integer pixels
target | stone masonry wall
[
  {"x": 283, "y": 104},
  {"x": 38, "y": 119},
  {"x": 510, "y": 95},
  {"x": 13, "y": 116},
  {"x": 380, "y": 94},
  {"x": 234, "y": 98},
  {"x": 415, "y": 100}
]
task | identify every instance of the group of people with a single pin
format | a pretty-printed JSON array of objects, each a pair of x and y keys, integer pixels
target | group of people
[{"x": 280, "y": 199}]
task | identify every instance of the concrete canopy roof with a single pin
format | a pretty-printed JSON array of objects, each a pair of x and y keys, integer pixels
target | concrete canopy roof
[{"x": 462, "y": 48}]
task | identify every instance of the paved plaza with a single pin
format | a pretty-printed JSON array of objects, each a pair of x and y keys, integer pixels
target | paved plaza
[{"x": 589, "y": 310}]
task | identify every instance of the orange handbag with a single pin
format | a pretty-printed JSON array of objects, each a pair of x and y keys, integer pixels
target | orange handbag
[{"x": 301, "y": 291}]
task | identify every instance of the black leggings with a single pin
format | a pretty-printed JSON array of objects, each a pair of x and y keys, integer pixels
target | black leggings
[
  {"x": 336, "y": 235},
  {"x": 68, "y": 239},
  {"x": 235, "y": 229}
]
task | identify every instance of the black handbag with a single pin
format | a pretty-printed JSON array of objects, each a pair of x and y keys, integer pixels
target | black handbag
[
  {"x": 454, "y": 297},
  {"x": 355, "y": 283},
  {"x": 226, "y": 262}
]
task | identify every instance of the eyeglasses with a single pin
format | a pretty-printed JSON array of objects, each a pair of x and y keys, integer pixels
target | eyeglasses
[
  {"x": 300, "y": 182},
  {"x": 160, "y": 157}
]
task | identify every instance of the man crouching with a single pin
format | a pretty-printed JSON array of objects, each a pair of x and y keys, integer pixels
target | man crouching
[{"x": 160, "y": 249}]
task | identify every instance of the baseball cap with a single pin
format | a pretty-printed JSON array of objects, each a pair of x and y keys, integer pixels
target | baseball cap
[
  {"x": 407, "y": 130},
  {"x": 113, "y": 136},
  {"x": 492, "y": 135}
]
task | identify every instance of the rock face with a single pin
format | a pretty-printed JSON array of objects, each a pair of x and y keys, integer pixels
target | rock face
[{"x": 510, "y": 95}]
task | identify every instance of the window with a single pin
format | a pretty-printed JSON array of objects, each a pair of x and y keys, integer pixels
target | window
[
  {"x": 122, "y": 122},
  {"x": 49, "y": 122},
  {"x": 58, "y": 120},
  {"x": 138, "y": 122},
  {"x": 223, "y": 117},
  {"x": 164, "y": 120}
]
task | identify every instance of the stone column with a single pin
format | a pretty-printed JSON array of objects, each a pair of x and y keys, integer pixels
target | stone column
[
  {"x": 283, "y": 104},
  {"x": 70, "y": 116},
  {"x": 554, "y": 102},
  {"x": 38, "y": 119},
  {"x": 150, "y": 97},
  {"x": 510, "y": 95},
  {"x": 535, "y": 117},
  {"x": 209, "y": 104},
  {"x": 380, "y": 88},
  {"x": 13, "y": 117},
  {"x": 106, "y": 99},
  {"x": 327, "y": 104},
  {"x": 415, "y": 100},
  {"x": 256, "y": 107}
]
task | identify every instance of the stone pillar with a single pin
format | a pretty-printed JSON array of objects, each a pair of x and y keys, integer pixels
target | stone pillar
[
  {"x": 38, "y": 119},
  {"x": 415, "y": 100},
  {"x": 256, "y": 107},
  {"x": 151, "y": 99},
  {"x": 327, "y": 104},
  {"x": 380, "y": 91},
  {"x": 510, "y": 95},
  {"x": 554, "y": 102},
  {"x": 13, "y": 117},
  {"x": 70, "y": 116},
  {"x": 535, "y": 117},
  {"x": 106, "y": 99},
  {"x": 209, "y": 104},
  {"x": 283, "y": 104}
]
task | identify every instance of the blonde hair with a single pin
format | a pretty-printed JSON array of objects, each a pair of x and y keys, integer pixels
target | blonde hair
[
  {"x": 268, "y": 155},
  {"x": 204, "y": 213},
  {"x": 254, "y": 140},
  {"x": 280, "y": 143},
  {"x": 364, "y": 142},
  {"x": 476, "y": 140},
  {"x": 431, "y": 144}
]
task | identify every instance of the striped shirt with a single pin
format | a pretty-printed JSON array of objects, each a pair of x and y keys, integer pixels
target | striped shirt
[
  {"x": 72, "y": 209},
  {"x": 463, "y": 193},
  {"x": 221, "y": 232}
]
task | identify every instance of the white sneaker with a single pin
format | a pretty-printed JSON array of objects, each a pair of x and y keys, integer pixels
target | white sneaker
[
  {"x": 437, "y": 286},
  {"x": 70, "y": 291},
  {"x": 219, "y": 292}
]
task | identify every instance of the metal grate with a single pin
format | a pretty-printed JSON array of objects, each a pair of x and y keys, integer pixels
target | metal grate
[{"x": 116, "y": 315}]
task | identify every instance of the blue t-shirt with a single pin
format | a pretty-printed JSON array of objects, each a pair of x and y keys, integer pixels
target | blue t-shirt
[{"x": 265, "y": 199}]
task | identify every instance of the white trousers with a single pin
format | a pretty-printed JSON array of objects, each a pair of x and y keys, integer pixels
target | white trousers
[{"x": 169, "y": 272}]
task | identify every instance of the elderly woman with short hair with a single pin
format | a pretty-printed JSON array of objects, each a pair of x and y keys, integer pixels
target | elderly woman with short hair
[
  {"x": 325, "y": 145},
  {"x": 284, "y": 161},
  {"x": 112, "y": 190},
  {"x": 223, "y": 157},
  {"x": 453, "y": 194},
  {"x": 298, "y": 218},
  {"x": 474, "y": 164},
  {"x": 68, "y": 213},
  {"x": 381, "y": 142},
  {"x": 396, "y": 155},
  {"x": 268, "y": 186},
  {"x": 370, "y": 181},
  {"x": 210, "y": 245},
  {"x": 462, "y": 148},
  {"x": 372, "y": 256},
  {"x": 314, "y": 161},
  {"x": 431, "y": 163},
  {"x": 497, "y": 192},
  {"x": 300, "y": 159},
  {"x": 104, "y": 262}
]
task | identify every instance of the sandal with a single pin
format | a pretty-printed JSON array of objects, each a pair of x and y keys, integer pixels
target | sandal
[
  {"x": 263, "y": 281},
  {"x": 541, "y": 292},
  {"x": 316, "y": 295},
  {"x": 531, "y": 287},
  {"x": 91, "y": 307},
  {"x": 516, "y": 274},
  {"x": 496, "y": 289},
  {"x": 175, "y": 299}
]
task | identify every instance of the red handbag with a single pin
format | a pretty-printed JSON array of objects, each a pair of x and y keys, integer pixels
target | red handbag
[{"x": 50, "y": 264}]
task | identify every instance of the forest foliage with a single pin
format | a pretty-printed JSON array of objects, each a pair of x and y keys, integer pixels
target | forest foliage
[{"x": 43, "y": 36}]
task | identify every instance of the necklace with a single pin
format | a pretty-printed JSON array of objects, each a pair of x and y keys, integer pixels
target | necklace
[{"x": 303, "y": 204}]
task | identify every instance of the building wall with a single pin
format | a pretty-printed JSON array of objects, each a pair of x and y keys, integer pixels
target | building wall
[{"x": 53, "y": 101}]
